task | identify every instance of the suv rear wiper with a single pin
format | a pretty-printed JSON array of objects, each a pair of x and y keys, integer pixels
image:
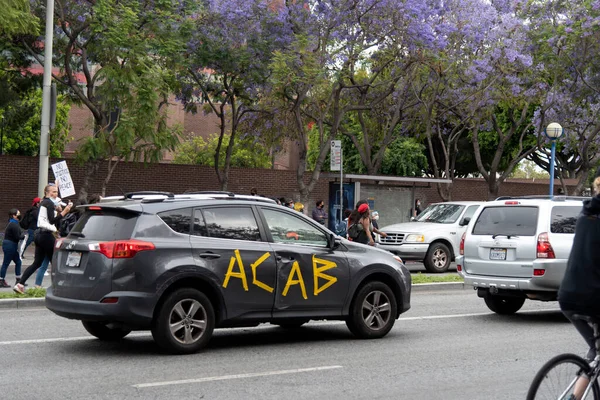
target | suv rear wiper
[
  {"x": 77, "y": 234},
  {"x": 501, "y": 234}
]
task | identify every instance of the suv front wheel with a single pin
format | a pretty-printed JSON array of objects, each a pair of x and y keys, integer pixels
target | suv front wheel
[
  {"x": 373, "y": 311},
  {"x": 185, "y": 322},
  {"x": 504, "y": 304}
]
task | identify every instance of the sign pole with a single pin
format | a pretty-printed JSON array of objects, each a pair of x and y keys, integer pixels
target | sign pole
[{"x": 341, "y": 186}]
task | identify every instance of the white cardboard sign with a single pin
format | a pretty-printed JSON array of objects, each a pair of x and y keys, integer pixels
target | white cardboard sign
[{"x": 62, "y": 175}]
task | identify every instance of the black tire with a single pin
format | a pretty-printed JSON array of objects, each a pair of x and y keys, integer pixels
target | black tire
[
  {"x": 103, "y": 332},
  {"x": 504, "y": 305},
  {"x": 438, "y": 258},
  {"x": 192, "y": 313},
  {"x": 556, "y": 376},
  {"x": 365, "y": 321}
]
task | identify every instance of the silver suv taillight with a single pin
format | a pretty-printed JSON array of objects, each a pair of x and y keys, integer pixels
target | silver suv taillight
[{"x": 544, "y": 248}]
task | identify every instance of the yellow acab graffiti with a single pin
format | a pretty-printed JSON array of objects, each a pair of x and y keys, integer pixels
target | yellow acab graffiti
[{"x": 294, "y": 278}]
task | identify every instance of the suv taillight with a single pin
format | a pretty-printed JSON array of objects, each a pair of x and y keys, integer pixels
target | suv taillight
[
  {"x": 544, "y": 248},
  {"x": 121, "y": 248},
  {"x": 462, "y": 244}
]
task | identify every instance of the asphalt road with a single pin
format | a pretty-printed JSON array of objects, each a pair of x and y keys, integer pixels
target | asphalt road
[{"x": 448, "y": 346}]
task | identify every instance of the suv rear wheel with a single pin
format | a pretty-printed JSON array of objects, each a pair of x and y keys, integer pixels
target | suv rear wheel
[
  {"x": 438, "y": 258},
  {"x": 373, "y": 311},
  {"x": 103, "y": 331},
  {"x": 185, "y": 322},
  {"x": 504, "y": 304}
]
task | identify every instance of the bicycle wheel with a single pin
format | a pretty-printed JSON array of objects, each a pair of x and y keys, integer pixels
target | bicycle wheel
[{"x": 556, "y": 379}]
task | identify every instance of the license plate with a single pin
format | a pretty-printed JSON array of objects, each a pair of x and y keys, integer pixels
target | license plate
[
  {"x": 73, "y": 259},
  {"x": 497, "y": 254}
]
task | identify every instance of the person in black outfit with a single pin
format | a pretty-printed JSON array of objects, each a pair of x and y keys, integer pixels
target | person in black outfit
[
  {"x": 579, "y": 292},
  {"x": 10, "y": 246},
  {"x": 48, "y": 222}
]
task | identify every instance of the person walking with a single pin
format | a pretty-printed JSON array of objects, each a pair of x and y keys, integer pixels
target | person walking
[
  {"x": 360, "y": 225},
  {"x": 48, "y": 222},
  {"x": 10, "y": 246},
  {"x": 417, "y": 209},
  {"x": 579, "y": 291},
  {"x": 319, "y": 214},
  {"x": 29, "y": 223}
]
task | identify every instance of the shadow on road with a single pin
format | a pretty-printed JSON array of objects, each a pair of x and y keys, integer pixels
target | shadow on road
[
  {"x": 223, "y": 339},
  {"x": 537, "y": 317}
]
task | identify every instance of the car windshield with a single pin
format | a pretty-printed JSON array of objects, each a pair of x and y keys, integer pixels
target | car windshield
[{"x": 441, "y": 213}]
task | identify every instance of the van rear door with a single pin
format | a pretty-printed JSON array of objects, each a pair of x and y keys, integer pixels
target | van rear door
[{"x": 502, "y": 242}]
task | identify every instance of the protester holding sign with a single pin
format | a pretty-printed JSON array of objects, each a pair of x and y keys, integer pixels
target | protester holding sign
[{"x": 45, "y": 237}]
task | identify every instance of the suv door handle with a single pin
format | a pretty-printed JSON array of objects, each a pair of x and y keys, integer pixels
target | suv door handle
[
  {"x": 209, "y": 255},
  {"x": 285, "y": 260}
]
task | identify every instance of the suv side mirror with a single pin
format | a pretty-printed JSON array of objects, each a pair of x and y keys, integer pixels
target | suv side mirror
[
  {"x": 333, "y": 241},
  {"x": 465, "y": 221}
]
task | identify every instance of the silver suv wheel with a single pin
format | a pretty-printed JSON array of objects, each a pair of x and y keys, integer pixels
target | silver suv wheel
[{"x": 188, "y": 321}]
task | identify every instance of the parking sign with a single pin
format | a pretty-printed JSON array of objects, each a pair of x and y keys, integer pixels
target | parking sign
[{"x": 336, "y": 155}]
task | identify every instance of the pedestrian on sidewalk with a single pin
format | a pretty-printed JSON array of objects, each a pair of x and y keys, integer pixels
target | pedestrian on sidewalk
[
  {"x": 10, "y": 246},
  {"x": 29, "y": 223},
  {"x": 319, "y": 214},
  {"x": 45, "y": 238}
]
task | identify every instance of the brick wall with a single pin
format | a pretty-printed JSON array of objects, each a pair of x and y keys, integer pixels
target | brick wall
[{"x": 20, "y": 174}]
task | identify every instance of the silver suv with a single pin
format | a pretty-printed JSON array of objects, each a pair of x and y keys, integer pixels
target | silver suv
[
  {"x": 433, "y": 237},
  {"x": 517, "y": 249}
]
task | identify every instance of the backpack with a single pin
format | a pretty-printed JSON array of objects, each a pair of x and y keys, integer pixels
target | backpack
[
  {"x": 26, "y": 219},
  {"x": 354, "y": 231},
  {"x": 67, "y": 223}
]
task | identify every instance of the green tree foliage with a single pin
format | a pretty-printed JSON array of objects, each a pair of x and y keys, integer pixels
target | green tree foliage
[
  {"x": 21, "y": 122},
  {"x": 527, "y": 170},
  {"x": 247, "y": 153},
  {"x": 16, "y": 18}
]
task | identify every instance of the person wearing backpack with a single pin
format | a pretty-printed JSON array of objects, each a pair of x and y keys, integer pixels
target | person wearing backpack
[
  {"x": 12, "y": 236},
  {"x": 29, "y": 224}
]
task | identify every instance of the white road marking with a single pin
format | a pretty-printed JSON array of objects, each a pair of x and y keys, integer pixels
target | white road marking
[
  {"x": 238, "y": 376},
  {"x": 267, "y": 326}
]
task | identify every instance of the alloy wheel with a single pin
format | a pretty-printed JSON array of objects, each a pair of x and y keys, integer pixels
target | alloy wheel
[
  {"x": 439, "y": 258},
  {"x": 187, "y": 321},
  {"x": 376, "y": 310}
]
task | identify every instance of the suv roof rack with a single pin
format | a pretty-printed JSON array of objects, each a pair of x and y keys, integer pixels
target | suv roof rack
[
  {"x": 543, "y": 197},
  {"x": 143, "y": 193},
  {"x": 211, "y": 192}
]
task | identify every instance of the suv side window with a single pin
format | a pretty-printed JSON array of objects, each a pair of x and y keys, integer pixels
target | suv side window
[
  {"x": 231, "y": 223},
  {"x": 178, "y": 220},
  {"x": 563, "y": 219},
  {"x": 507, "y": 220},
  {"x": 199, "y": 226},
  {"x": 286, "y": 228}
]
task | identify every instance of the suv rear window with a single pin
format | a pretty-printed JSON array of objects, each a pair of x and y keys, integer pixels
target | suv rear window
[
  {"x": 105, "y": 225},
  {"x": 507, "y": 221},
  {"x": 563, "y": 219}
]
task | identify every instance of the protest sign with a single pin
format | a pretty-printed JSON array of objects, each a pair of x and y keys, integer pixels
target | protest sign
[{"x": 62, "y": 175}]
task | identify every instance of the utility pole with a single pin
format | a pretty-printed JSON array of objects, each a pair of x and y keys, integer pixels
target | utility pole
[{"x": 46, "y": 99}]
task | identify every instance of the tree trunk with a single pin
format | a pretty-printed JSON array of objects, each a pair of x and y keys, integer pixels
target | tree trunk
[{"x": 91, "y": 168}]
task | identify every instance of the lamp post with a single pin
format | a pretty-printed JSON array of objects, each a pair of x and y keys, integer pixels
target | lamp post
[{"x": 553, "y": 132}]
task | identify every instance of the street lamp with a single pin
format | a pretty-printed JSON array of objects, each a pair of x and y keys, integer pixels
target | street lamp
[{"x": 553, "y": 132}]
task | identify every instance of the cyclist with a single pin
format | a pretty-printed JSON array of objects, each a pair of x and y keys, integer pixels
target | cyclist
[{"x": 579, "y": 291}]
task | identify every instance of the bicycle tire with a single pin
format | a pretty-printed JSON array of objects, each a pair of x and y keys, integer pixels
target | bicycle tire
[{"x": 550, "y": 370}]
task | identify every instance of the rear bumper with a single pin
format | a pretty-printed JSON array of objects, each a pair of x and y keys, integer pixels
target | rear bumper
[
  {"x": 549, "y": 282},
  {"x": 133, "y": 309},
  {"x": 407, "y": 251}
]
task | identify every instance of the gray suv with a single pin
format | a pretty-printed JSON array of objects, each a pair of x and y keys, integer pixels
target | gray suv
[
  {"x": 182, "y": 265},
  {"x": 517, "y": 249}
]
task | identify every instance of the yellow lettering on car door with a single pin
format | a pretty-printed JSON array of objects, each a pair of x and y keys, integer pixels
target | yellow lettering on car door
[
  {"x": 241, "y": 275},
  {"x": 291, "y": 281},
  {"x": 318, "y": 273},
  {"x": 255, "y": 281}
]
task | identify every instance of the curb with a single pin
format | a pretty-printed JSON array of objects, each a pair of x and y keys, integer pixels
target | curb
[
  {"x": 23, "y": 302},
  {"x": 426, "y": 287}
]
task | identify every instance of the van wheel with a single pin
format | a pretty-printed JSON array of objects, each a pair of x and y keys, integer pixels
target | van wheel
[
  {"x": 103, "y": 332},
  {"x": 373, "y": 311},
  {"x": 438, "y": 258},
  {"x": 185, "y": 322},
  {"x": 504, "y": 305}
]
